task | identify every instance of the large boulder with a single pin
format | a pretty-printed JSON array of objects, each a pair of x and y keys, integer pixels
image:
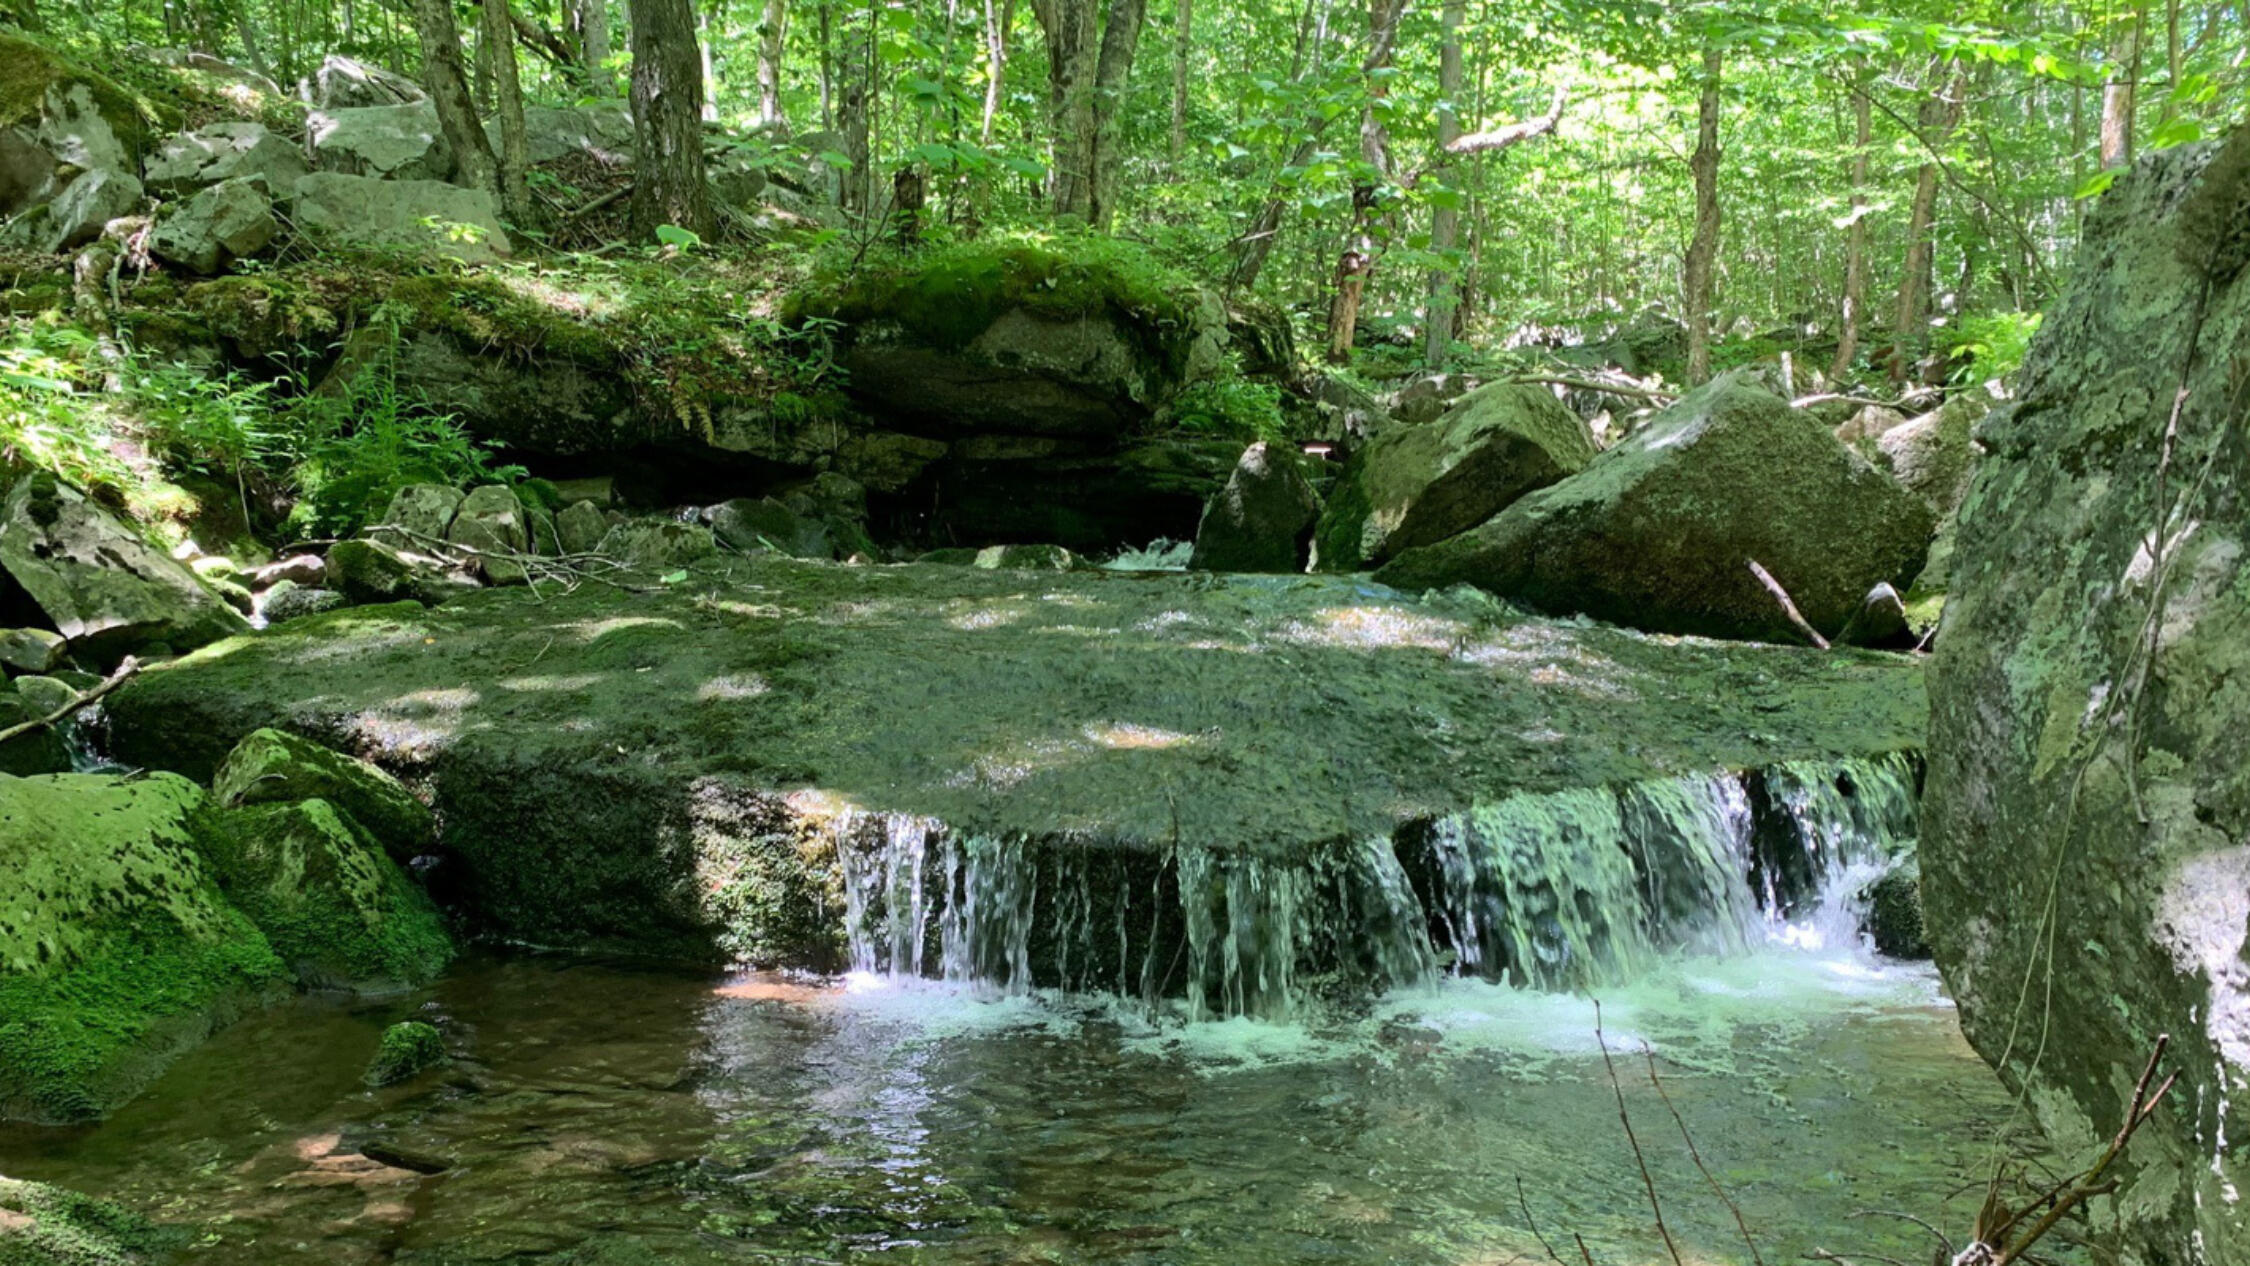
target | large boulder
[
  {"x": 276, "y": 767},
  {"x": 224, "y": 151},
  {"x": 76, "y": 215},
  {"x": 492, "y": 528},
  {"x": 1022, "y": 339},
  {"x": 342, "y": 83},
  {"x": 539, "y": 399},
  {"x": 372, "y": 571},
  {"x": 1418, "y": 485},
  {"x": 1659, "y": 532},
  {"x": 1262, "y": 521},
  {"x": 1933, "y": 455},
  {"x": 393, "y": 142},
  {"x": 341, "y": 914},
  {"x": 103, "y": 587},
  {"x": 2086, "y": 821},
  {"x": 226, "y": 222},
  {"x": 427, "y": 217},
  {"x": 117, "y": 949},
  {"x": 602, "y": 130}
]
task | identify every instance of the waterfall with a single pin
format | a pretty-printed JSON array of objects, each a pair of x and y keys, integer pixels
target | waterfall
[{"x": 1561, "y": 890}]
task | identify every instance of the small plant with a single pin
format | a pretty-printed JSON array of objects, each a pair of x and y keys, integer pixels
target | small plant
[
  {"x": 1989, "y": 347},
  {"x": 47, "y": 422},
  {"x": 1232, "y": 407},
  {"x": 221, "y": 427}
]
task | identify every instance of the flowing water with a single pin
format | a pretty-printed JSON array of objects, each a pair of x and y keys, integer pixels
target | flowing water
[{"x": 1256, "y": 1089}]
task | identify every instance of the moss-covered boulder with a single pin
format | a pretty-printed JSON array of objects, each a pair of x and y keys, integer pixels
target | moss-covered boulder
[
  {"x": 42, "y": 1225},
  {"x": 1262, "y": 521},
  {"x": 1077, "y": 338},
  {"x": 106, "y": 590},
  {"x": 1658, "y": 533},
  {"x": 1894, "y": 912},
  {"x": 405, "y": 1051},
  {"x": 1418, "y": 485},
  {"x": 367, "y": 570},
  {"x": 339, "y": 912},
  {"x": 42, "y": 751},
  {"x": 1934, "y": 455},
  {"x": 2086, "y": 820},
  {"x": 276, "y": 767},
  {"x": 117, "y": 949}
]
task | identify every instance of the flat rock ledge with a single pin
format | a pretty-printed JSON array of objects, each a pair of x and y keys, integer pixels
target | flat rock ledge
[{"x": 671, "y": 767}]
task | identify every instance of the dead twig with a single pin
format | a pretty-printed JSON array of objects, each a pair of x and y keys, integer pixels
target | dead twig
[
  {"x": 1788, "y": 606},
  {"x": 1524, "y": 1202},
  {"x": 1941, "y": 1237},
  {"x": 1716, "y": 1190},
  {"x": 1647, "y": 1180},
  {"x": 85, "y": 698}
]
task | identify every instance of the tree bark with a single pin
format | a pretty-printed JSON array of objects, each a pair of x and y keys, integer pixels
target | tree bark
[
  {"x": 1121, "y": 38},
  {"x": 447, "y": 83},
  {"x": 1939, "y": 115},
  {"x": 2118, "y": 92},
  {"x": 589, "y": 26},
  {"x": 1183, "y": 42},
  {"x": 1073, "y": 52},
  {"x": 667, "y": 99},
  {"x": 772, "y": 43},
  {"x": 515, "y": 144},
  {"x": 1445, "y": 222},
  {"x": 1703, "y": 248},
  {"x": 1855, "y": 240},
  {"x": 852, "y": 89},
  {"x": 999, "y": 15}
]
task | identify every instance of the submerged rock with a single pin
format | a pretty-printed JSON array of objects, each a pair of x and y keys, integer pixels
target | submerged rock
[
  {"x": 1658, "y": 532},
  {"x": 106, "y": 590},
  {"x": 2086, "y": 835},
  {"x": 407, "y": 1049},
  {"x": 117, "y": 949},
  {"x": 1418, "y": 485},
  {"x": 1262, "y": 521}
]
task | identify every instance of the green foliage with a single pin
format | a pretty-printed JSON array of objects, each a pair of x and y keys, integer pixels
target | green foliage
[
  {"x": 47, "y": 419},
  {"x": 223, "y": 427},
  {"x": 1232, "y": 407},
  {"x": 1989, "y": 347}
]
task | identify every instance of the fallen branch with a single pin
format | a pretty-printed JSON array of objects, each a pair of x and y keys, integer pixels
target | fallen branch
[
  {"x": 1788, "y": 607},
  {"x": 598, "y": 203},
  {"x": 1524, "y": 1202},
  {"x": 1912, "y": 399},
  {"x": 2059, "y": 1201},
  {"x": 1647, "y": 1181},
  {"x": 1689, "y": 1139},
  {"x": 84, "y": 699}
]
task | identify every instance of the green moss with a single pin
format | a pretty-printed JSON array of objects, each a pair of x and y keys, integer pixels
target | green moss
[
  {"x": 277, "y": 767},
  {"x": 116, "y": 948},
  {"x": 332, "y": 905},
  {"x": 55, "y": 1227},
  {"x": 406, "y": 1050},
  {"x": 28, "y": 69},
  {"x": 483, "y": 312},
  {"x": 266, "y": 314}
]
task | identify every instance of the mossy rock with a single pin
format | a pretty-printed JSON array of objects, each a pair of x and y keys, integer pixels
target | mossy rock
[
  {"x": 117, "y": 949},
  {"x": 277, "y": 767},
  {"x": 42, "y": 1225},
  {"x": 338, "y": 912},
  {"x": 407, "y": 1049},
  {"x": 1894, "y": 912},
  {"x": 29, "y": 70}
]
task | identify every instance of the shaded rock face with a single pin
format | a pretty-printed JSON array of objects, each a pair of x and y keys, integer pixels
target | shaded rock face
[
  {"x": 1082, "y": 495},
  {"x": 1658, "y": 532},
  {"x": 541, "y": 402},
  {"x": 221, "y": 224},
  {"x": 2086, "y": 823},
  {"x": 674, "y": 772},
  {"x": 1418, "y": 485},
  {"x": 1262, "y": 521},
  {"x": 344, "y": 82},
  {"x": 397, "y": 142},
  {"x": 424, "y": 216},
  {"x": 103, "y": 588},
  {"x": 117, "y": 949},
  {"x": 224, "y": 151},
  {"x": 76, "y": 215}
]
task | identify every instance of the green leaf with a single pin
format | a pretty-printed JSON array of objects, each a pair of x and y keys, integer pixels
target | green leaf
[
  {"x": 673, "y": 578},
  {"x": 2177, "y": 131},
  {"x": 2098, "y": 183},
  {"x": 674, "y": 235}
]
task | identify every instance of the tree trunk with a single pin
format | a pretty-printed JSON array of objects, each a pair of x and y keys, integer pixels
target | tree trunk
[
  {"x": 515, "y": 144},
  {"x": 1703, "y": 248},
  {"x": 1939, "y": 115},
  {"x": 2118, "y": 92},
  {"x": 1855, "y": 240},
  {"x": 1445, "y": 222},
  {"x": 1352, "y": 268},
  {"x": 772, "y": 43},
  {"x": 447, "y": 83},
  {"x": 999, "y": 15},
  {"x": 589, "y": 25},
  {"x": 1073, "y": 54},
  {"x": 667, "y": 98},
  {"x": 852, "y": 88},
  {"x": 1183, "y": 41},
  {"x": 706, "y": 49},
  {"x": 1121, "y": 37}
]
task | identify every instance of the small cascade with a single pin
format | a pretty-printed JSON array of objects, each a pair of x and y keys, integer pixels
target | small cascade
[{"x": 1565, "y": 890}]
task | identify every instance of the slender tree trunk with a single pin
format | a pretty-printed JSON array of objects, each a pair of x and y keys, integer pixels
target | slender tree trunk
[
  {"x": 1121, "y": 37},
  {"x": 2118, "y": 93},
  {"x": 1855, "y": 239},
  {"x": 852, "y": 89},
  {"x": 999, "y": 15},
  {"x": 1183, "y": 42},
  {"x": 706, "y": 49},
  {"x": 1073, "y": 54},
  {"x": 1939, "y": 115},
  {"x": 1352, "y": 269},
  {"x": 667, "y": 97},
  {"x": 827, "y": 65},
  {"x": 589, "y": 22},
  {"x": 1445, "y": 222},
  {"x": 772, "y": 43},
  {"x": 447, "y": 83},
  {"x": 246, "y": 27},
  {"x": 1703, "y": 248},
  {"x": 515, "y": 144}
]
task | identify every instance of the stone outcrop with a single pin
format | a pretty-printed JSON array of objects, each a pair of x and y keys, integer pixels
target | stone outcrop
[
  {"x": 1659, "y": 531},
  {"x": 224, "y": 151},
  {"x": 2086, "y": 822},
  {"x": 1262, "y": 521},
  {"x": 424, "y": 216},
  {"x": 229, "y": 221},
  {"x": 277, "y": 767},
  {"x": 1419, "y": 484},
  {"x": 395, "y": 142},
  {"x": 1933, "y": 455},
  {"x": 102, "y": 587}
]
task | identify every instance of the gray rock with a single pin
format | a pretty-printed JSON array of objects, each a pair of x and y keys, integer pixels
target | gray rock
[
  {"x": 75, "y": 216},
  {"x": 31, "y": 650},
  {"x": 658, "y": 544},
  {"x": 1880, "y": 622},
  {"x": 308, "y": 570},
  {"x": 750, "y": 524},
  {"x": 28, "y": 173},
  {"x": 1869, "y": 424},
  {"x": 603, "y": 130},
  {"x": 1418, "y": 485},
  {"x": 1933, "y": 455},
  {"x": 1894, "y": 912},
  {"x": 371, "y": 571},
  {"x": 492, "y": 524},
  {"x": 104, "y": 588},
  {"x": 224, "y": 151},
  {"x": 44, "y": 696},
  {"x": 1262, "y": 521},
  {"x": 425, "y": 511},
  {"x": 1428, "y": 397},
  {"x": 581, "y": 527},
  {"x": 226, "y": 222},
  {"x": 1024, "y": 558},
  {"x": 342, "y": 83},
  {"x": 428, "y": 217},
  {"x": 289, "y": 601},
  {"x": 2086, "y": 814},
  {"x": 1658, "y": 532},
  {"x": 394, "y": 142},
  {"x": 73, "y": 128}
]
